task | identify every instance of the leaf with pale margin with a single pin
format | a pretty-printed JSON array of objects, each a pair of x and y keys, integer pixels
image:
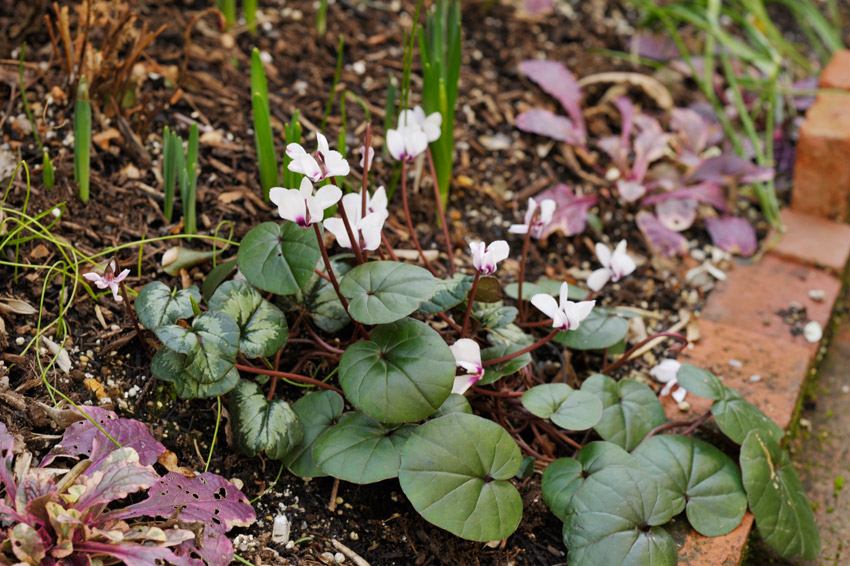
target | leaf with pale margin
[
  {"x": 777, "y": 499},
  {"x": 403, "y": 374},
  {"x": 318, "y": 412},
  {"x": 120, "y": 475},
  {"x": 359, "y": 449},
  {"x": 157, "y": 305},
  {"x": 26, "y": 544},
  {"x": 699, "y": 475},
  {"x": 613, "y": 519},
  {"x": 262, "y": 326},
  {"x": 216, "y": 277},
  {"x": 736, "y": 417},
  {"x": 278, "y": 258},
  {"x": 630, "y": 409},
  {"x": 700, "y": 382},
  {"x": 260, "y": 425},
  {"x": 456, "y": 470},
  {"x": 209, "y": 369},
  {"x": 566, "y": 407},
  {"x": 492, "y": 316},
  {"x": 505, "y": 340},
  {"x": 319, "y": 298},
  {"x": 565, "y": 475},
  {"x": 598, "y": 331},
  {"x": 381, "y": 292},
  {"x": 449, "y": 294}
]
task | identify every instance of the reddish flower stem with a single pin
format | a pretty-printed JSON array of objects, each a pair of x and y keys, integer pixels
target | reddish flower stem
[
  {"x": 518, "y": 353},
  {"x": 525, "y": 243},
  {"x": 355, "y": 242},
  {"x": 497, "y": 393},
  {"x": 292, "y": 376},
  {"x": 441, "y": 213},
  {"x": 135, "y": 320},
  {"x": 469, "y": 306},
  {"x": 389, "y": 247},
  {"x": 410, "y": 229},
  {"x": 329, "y": 269},
  {"x": 367, "y": 165}
]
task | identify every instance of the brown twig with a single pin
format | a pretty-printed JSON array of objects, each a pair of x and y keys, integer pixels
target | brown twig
[{"x": 525, "y": 350}]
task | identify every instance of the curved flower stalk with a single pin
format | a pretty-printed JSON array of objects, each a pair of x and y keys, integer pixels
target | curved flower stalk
[
  {"x": 535, "y": 226},
  {"x": 318, "y": 166},
  {"x": 109, "y": 280},
  {"x": 301, "y": 205},
  {"x": 665, "y": 372},
  {"x": 366, "y": 228},
  {"x": 565, "y": 314},
  {"x": 467, "y": 354},
  {"x": 485, "y": 257},
  {"x": 615, "y": 265}
]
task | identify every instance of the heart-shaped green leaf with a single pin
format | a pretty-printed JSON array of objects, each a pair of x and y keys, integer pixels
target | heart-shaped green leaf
[
  {"x": 699, "y": 474},
  {"x": 777, "y": 499},
  {"x": 380, "y": 292},
  {"x": 700, "y": 382},
  {"x": 629, "y": 409},
  {"x": 216, "y": 277},
  {"x": 565, "y": 475},
  {"x": 493, "y": 316},
  {"x": 505, "y": 340},
  {"x": 599, "y": 330},
  {"x": 208, "y": 369},
  {"x": 157, "y": 305},
  {"x": 553, "y": 287},
  {"x": 613, "y": 519},
  {"x": 456, "y": 470},
  {"x": 565, "y": 406},
  {"x": 449, "y": 293},
  {"x": 262, "y": 325},
  {"x": 320, "y": 300},
  {"x": 403, "y": 374},
  {"x": 736, "y": 417},
  {"x": 279, "y": 258},
  {"x": 453, "y": 404},
  {"x": 317, "y": 412},
  {"x": 260, "y": 425},
  {"x": 359, "y": 449}
]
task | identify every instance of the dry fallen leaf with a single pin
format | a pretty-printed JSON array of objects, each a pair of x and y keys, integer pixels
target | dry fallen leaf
[
  {"x": 102, "y": 139},
  {"x": 230, "y": 196},
  {"x": 39, "y": 252},
  {"x": 16, "y": 306},
  {"x": 63, "y": 360},
  {"x": 168, "y": 460}
]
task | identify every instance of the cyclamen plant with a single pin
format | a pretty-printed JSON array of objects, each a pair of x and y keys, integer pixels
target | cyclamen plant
[
  {"x": 409, "y": 345},
  {"x": 62, "y": 517}
]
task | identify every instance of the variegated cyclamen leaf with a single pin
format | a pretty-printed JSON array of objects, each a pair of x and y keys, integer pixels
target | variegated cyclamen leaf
[
  {"x": 260, "y": 425},
  {"x": 262, "y": 326},
  {"x": 158, "y": 305},
  {"x": 449, "y": 293}
]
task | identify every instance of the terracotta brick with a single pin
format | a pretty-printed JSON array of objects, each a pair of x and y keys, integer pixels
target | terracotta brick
[
  {"x": 697, "y": 550},
  {"x": 752, "y": 296},
  {"x": 814, "y": 240},
  {"x": 822, "y": 168},
  {"x": 837, "y": 73},
  {"x": 736, "y": 355}
]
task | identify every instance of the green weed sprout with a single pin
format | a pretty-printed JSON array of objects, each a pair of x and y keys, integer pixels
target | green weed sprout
[
  {"x": 171, "y": 144},
  {"x": 47, "y": 164},
  {"x": 188, "y": 176},
  {"x": 82, "y": 139},
  {"x": 439, "y": 48},
  {"x": 322, "y": 18},
  {"x": 266, "y": 158},
  {"x": 228, "y": 8},
  {"x": 292, "y": 131},
  {"x": 250, "y": 7}
]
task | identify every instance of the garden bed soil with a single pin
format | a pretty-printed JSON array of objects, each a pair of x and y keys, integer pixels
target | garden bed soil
[{"x": 496, "y": 170}]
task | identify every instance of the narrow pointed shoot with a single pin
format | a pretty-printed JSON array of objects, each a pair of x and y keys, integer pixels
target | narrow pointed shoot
[
  {"x": 565, "y": 314},
  {"x": 615, "y": 265},
  {"x": 665, "y": 372},
  {"x": 485, "y": 257},
  {"x": 467, "y": 355},
  {"x": 536, "y": 226},
  {"x": 301, "y": 205},
  {"x": 318, "y": 166},
  {"x": 405, "y": 144},
  {"x": 109, "y": 280}
]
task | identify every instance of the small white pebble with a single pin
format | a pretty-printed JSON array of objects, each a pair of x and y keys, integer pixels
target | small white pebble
[
  {"x": 56, "y": 212},
  {"x": 265, "y": 57},
  {"x": 755, "y": 378},
  {"x": 813, "y": 332},
  {"x": 20, "y": 340},
  {"x": 358, "y": 67},
  {"x": 845, "y": 388},
  {"x": 280, "y": 530},
  {"x": 817, "y": 295},
  {"x": 339, "y": 557},
  {"x": 735, "y": 363}
]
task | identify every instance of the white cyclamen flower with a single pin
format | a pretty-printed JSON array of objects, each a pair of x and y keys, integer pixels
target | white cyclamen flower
[
  {"x": 320, "y": 165},
  {"x": 467, "y": 355},
  {"x": 363, "y": 154},
  {"x": 430, "y": 125},
  {"x": 566, "y": 314},
  {"x": 366, "y": 228},
  {"x": 109, "y": 280},
  {"x": 665, "y": 372},
  {"x": 547, "y": 209},
  {"x": 485, "y": 258},
  {"x": 405, "y": 144},
  {"x": 301, "y": 206},
  {"x": 615, "y": 265}
]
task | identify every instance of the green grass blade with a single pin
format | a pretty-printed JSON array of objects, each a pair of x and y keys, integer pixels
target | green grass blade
[
  {"x": 47, "y": 170},
  {"x": 250, "y": 7},
  {"x": 259, "y": 84},
  {"x": 390, "y": 106},
  {"x": 169, "y": 172},
  {"x": 337, "y": 74},
  {"x": 191, "y": 175},
  {"x": 292, "y": 133},
  {"x": 265, "y": 145},
  {"x": 228, "y": 8},
  {"x": 322, "y": 18},
  {"x": 82, "y": 139}
]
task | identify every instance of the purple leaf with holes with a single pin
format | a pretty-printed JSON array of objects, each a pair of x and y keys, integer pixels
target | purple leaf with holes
[
  {"x": 730, "y": 168},
  {"x": 120, "y": 475},
  {"x": 544, "y": 123},
  {"x": 570, "y": 217},
  {"x": 630, "y": 191},
  {"x": 661, "y": 239},
  {"x": 733, "y": 234},
  {"x": 215, "y": 549},
  {"x": 558, "y": 81},
  {"x": 84, "y": 438},
  {"x": 208, "y": 498},
  {"x": 136, "y": 555},
  {"x": 677, "y": 214}
]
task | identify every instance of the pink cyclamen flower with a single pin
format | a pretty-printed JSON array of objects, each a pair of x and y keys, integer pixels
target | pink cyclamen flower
[
  {"x": 109, "y": 280},
  {"x": 430, "y": 125},
  {"x": 615, "y": 265},
  {"x": 367, "y": 229},
  {"x": 320, "y": 165},
  {"x": 665, "y": 372},
  {"x": 485, "y": 257},
  {"x": 467, "y": 355},
  {"x": 406, "y": 143},
  {"x": 565, "y": 314},
  {"x": 547, "y": 209},
  {"x": 301, "y": 206}
]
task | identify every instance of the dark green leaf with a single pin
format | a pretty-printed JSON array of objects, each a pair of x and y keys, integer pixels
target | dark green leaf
[
  {"x": 489, "y": 290},
  {"x": 528, "y": 290},
  {"x": 736, "y": 417},
  {"x": 566, "y": 407},
  {"x": 630, "y": 409},
  {"x": 599, "y": 330},
  {"x": 700, "y": 382},
  {"x": 381, "y": 292},
  {"x": 216, "y": 277},
  {"x": 260, "y": 425},
  {"x": 453, "y": 404},
  {"x": 317, "y": 412},
  {"x": 263, "y": 328},
  {"x": 449, "y": 293},
  {"x": 279, "y": 258},
  {"x": 560, "y": 480},
  {"x": 505, "y": 340}
]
